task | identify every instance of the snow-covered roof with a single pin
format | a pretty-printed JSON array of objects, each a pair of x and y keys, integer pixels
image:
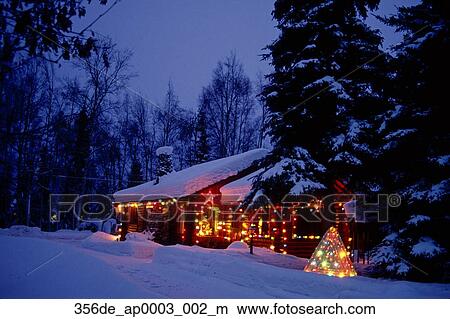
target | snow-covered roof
[
  {"x": 168, "y": 150},
  {"x": 192, "y": 179},
  {"x": 241, "y": 187}
]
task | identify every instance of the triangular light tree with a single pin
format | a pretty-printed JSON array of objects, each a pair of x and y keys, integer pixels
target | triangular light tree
[{"x": 330, "y": 257}]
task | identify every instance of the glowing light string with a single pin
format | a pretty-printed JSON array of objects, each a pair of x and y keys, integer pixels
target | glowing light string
[{"x": 330, "y": 257}]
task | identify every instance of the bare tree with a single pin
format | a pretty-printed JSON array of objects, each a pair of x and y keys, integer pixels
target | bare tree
[
  {"x": 144, "y": 116},
  {"x": 229, "y": 103},
  {"x": 20, "y": 149},
  {"x": 263, "y": 111},
  {"x": 168, "y": 117},
  {"x": 107, "y": 71},
  {"x": 185, "y": 146}
]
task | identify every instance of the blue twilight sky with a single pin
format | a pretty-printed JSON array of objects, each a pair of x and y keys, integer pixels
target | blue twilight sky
[{"x": 182, "y": 40}]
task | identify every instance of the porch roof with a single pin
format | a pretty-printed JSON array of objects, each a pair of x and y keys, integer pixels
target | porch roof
[{"x": 241, "y": 187}]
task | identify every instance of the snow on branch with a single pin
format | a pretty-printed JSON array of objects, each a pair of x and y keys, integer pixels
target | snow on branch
[
  {"x": 417, "y": 219},
  {"x": 333, "y": 85},
  {"x": 426, "y": 247},
  {"x": 168, "y": 150},
  {"x": 297, "y": 170}
]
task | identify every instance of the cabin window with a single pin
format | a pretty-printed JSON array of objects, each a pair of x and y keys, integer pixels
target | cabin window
[{"x": 302, "y": 225}]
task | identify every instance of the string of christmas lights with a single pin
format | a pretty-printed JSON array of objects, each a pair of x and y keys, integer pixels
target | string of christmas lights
[{"x": 330, "y": 257}]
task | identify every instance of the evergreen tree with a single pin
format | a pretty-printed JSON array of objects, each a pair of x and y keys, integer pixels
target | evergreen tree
[
  {"x": 77, "y": 182},
  {"x": 294, "y": 173},
  {"x": 165, "y": 164},
  {"x": 320, "y": 101},
  {"x": 135, "y": 177},
  {"x": 81, "y": 151},
  {"x": 44, "y": 183},
  {"x": 416, "y": 151}
]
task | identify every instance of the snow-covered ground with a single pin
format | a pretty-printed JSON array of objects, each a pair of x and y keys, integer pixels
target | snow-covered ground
[{"x": 70, "y": 264}]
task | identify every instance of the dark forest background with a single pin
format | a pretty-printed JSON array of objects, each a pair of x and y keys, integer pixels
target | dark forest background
[
  {"x": 91, "y": 132},
  {"x": 336, "y": 106}
]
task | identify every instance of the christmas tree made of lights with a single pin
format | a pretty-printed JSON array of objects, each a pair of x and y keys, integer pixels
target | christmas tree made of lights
[{"x": 330, "y": 257}]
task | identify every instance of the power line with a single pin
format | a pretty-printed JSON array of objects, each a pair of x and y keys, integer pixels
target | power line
[{"x": 94, "y": 178}]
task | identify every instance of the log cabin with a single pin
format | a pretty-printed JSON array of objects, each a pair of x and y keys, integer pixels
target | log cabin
[{"x": 207, "y": 205}]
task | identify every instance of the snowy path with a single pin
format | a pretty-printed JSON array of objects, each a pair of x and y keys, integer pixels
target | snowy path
[
  {"x": 71, "y": 273},
  {"x": 106, "y": 269}
]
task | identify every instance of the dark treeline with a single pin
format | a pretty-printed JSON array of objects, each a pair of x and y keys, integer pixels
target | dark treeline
[{"x": 91, "y": 134}]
